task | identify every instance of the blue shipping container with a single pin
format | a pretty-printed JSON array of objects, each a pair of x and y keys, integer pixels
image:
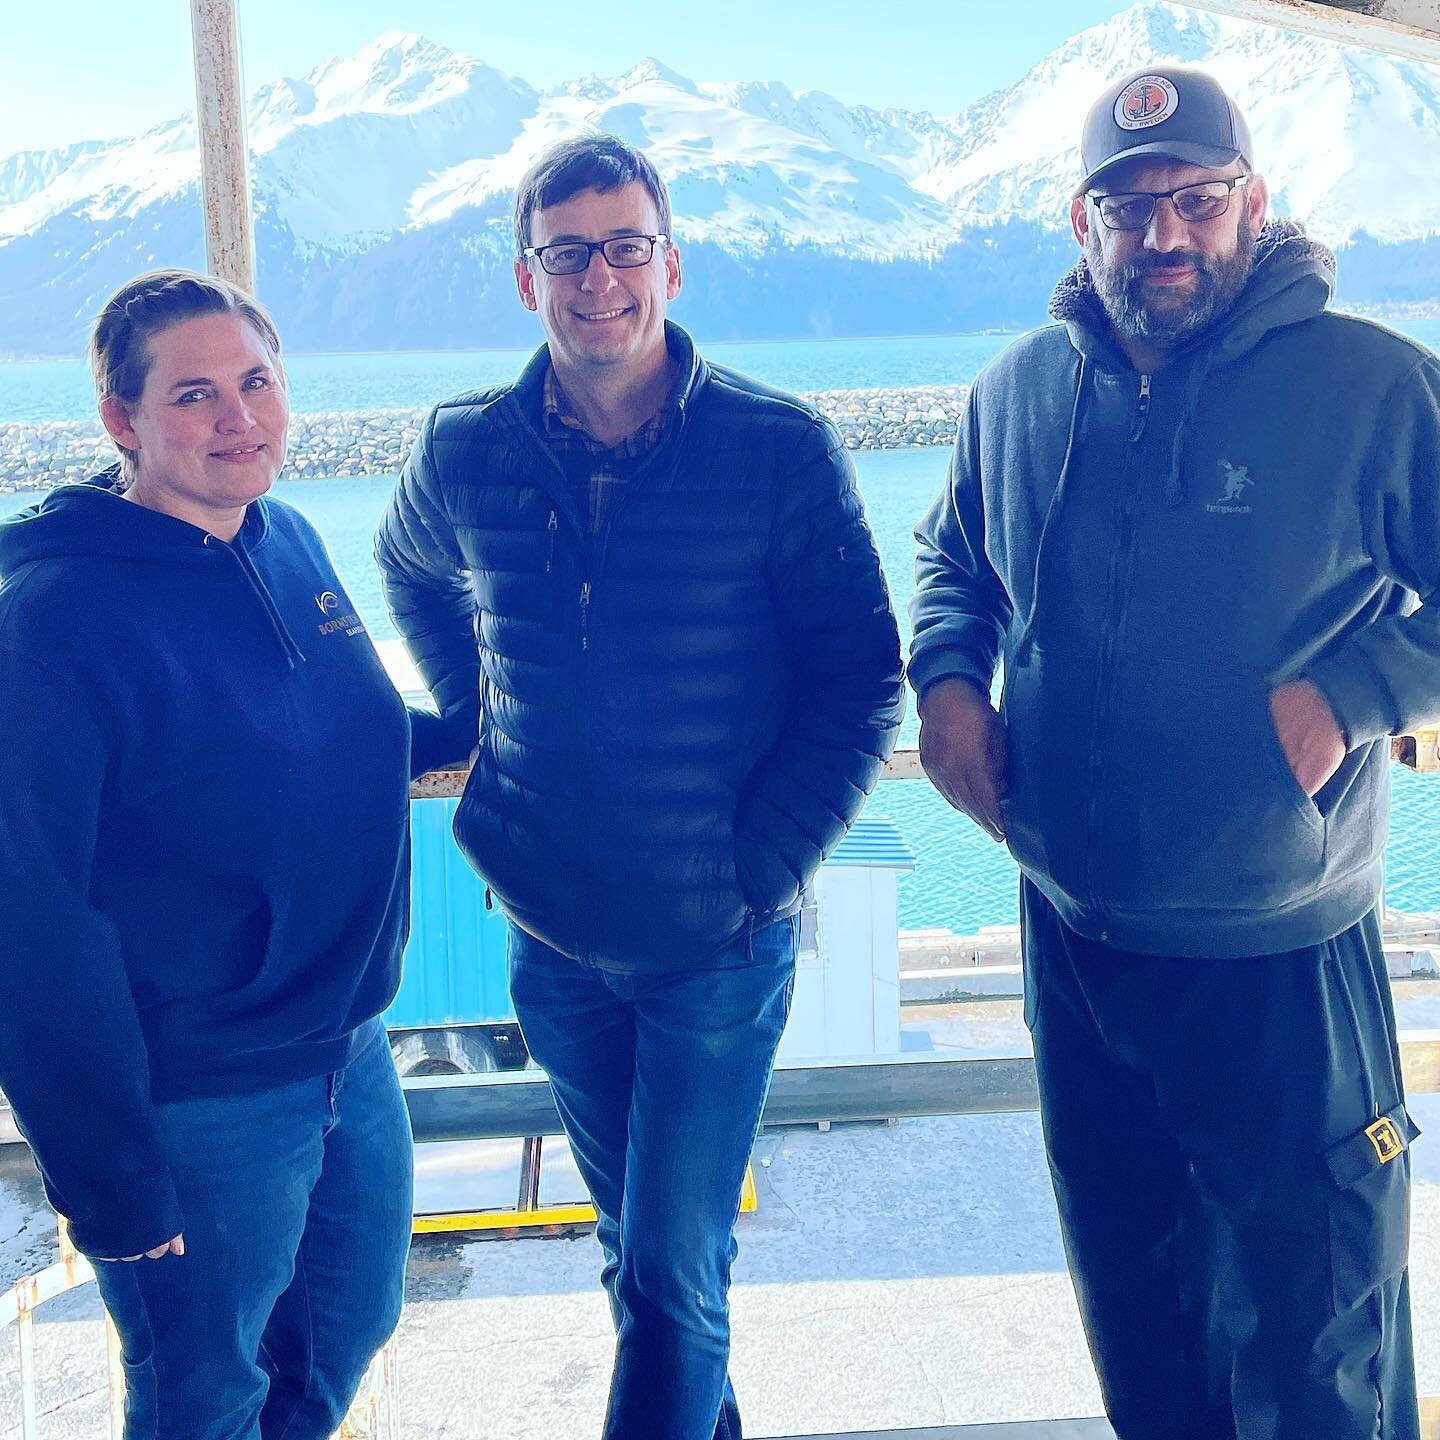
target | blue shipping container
[{"x": 455, "y": 971}]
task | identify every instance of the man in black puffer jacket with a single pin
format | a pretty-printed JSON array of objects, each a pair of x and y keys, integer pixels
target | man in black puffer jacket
[{"x": 686, "y": 682}]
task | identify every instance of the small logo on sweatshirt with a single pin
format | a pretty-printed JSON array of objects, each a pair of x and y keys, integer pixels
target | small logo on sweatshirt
[
  {"x": 327, "y": 601},
  {"x": 1235, "y": 480}
]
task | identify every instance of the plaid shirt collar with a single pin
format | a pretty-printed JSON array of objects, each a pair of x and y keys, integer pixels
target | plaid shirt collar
[{"x": 564, "y": 425}]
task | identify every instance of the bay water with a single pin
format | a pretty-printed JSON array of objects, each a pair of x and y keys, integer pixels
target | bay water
[{"x": 962, "y": 880}]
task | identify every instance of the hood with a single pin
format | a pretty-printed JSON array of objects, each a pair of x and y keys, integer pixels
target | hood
[
  {"x": 1292, "y": 280},
  {"x": 92, "y": 518}
]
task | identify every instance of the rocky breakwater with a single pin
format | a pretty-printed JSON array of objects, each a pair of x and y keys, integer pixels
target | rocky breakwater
[{"x": 338, "y": 443}]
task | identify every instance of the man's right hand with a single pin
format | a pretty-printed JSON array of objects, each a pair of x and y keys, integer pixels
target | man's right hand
[{"x": 962, "y": 750}]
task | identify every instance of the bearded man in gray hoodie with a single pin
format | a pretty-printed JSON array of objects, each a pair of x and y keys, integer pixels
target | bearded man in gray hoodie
[{"x": 1198, "y": 520}]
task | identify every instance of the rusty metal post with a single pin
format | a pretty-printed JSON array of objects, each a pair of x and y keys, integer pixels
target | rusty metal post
[{"x": 224, "y": 154}]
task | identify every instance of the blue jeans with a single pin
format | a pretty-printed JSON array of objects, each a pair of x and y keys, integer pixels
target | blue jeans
[
  {"x": 660, "y": 1081},
  {"x": 297, "y": 1224}
]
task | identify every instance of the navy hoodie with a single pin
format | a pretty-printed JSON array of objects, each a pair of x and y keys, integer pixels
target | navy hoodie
[
  {"x": 203, "y": 834},
  {"x": 1153, "y": 554}
]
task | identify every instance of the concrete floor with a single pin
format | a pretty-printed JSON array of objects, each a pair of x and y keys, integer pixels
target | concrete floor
[{"x": 900, "y": 1276}]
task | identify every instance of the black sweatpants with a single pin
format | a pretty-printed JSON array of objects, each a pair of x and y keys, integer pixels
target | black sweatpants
[{"x": 1228, "y": 1144}]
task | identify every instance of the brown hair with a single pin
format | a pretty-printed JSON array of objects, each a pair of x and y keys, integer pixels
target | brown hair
[
  {"x": 143, "y": 307},
  {"x": 585, "y": 162}
]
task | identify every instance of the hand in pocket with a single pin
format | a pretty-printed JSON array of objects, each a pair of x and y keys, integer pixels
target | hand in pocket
[{"x": 1310, "y": 738}]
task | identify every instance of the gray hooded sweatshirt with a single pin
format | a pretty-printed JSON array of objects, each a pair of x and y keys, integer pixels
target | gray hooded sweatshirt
[{"x": 1150, "y": 556}]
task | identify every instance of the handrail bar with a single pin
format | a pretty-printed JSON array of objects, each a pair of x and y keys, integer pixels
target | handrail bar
[
  {"x": 511, "y": 1104},
  {"x": 1416, "y": 749}
]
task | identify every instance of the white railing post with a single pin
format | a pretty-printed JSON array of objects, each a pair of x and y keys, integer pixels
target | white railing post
[
  {"x": 25, "y": 1300},
  {"x": 224, "y": 158}
]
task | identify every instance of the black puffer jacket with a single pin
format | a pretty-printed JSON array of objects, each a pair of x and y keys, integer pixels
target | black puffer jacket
[{"x": 678, "y": 720}]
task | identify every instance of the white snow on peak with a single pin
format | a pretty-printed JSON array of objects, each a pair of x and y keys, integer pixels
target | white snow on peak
[
  {"x": 651, "y": 71},
  {"x": 406, "y": 133},
  {"x": 1343, "y": 136}
]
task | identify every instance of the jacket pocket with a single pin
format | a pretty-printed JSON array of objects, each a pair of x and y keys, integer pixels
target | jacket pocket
[
  {"x": 1199, "y": 809},
  {"x": 1303, "y": 804},
  {"x": 1028, "y": 713},
  {"x": 1370, "y": 1206},
  {"x": 516, "y": 574}
]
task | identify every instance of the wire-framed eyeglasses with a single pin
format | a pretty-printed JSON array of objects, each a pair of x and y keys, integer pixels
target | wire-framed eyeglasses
[
  {"x": 570, "y": 257},
  {"x": 1134, "y": 210}
]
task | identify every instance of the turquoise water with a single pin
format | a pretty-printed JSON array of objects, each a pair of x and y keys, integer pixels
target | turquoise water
[
  {"x": 962, "y": 880},
  {"x": 62, "y": 389}
]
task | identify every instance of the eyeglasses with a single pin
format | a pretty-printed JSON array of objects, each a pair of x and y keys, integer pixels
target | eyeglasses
[
  {"x": 570, "y": 257},
  {"x": 1193, "y": 203}
]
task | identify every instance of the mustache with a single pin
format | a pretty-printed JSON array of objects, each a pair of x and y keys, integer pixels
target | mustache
[{"x": 1145, "y": 264}]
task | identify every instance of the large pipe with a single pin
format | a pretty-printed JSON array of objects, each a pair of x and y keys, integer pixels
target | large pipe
[{"x": 224, "y": 158}]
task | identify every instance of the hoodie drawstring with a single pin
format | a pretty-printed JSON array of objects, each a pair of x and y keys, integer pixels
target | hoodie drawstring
[
  {"x": 294, "y": 656},
  {"x": 1075, "y": 414},
  {"x": 1194, "y": 384}
]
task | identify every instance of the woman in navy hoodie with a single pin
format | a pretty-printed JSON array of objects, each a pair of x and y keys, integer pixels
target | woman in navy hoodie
[{"x": 203, "y": 889}]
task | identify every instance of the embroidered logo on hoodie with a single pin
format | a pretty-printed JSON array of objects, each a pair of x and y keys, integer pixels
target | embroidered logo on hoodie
[
  {"x": 1235, "y": 481},
  {"x": 351, "y": 624}
]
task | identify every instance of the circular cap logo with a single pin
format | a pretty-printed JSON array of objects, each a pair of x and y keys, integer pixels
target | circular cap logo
[{"x": 1145, "y": 102}]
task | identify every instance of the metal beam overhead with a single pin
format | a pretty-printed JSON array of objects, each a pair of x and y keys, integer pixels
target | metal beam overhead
[{"x": 1408, "y": 28}]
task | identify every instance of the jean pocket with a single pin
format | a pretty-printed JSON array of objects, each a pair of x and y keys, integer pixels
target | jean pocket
[
  {"x": 772, "y": 942},
  {"x": 1370, "y": 1206},
  {"x": 123, "y": 1294}
]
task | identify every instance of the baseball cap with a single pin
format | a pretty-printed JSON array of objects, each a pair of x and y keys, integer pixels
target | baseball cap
[{"x": 1169, "y": 110}]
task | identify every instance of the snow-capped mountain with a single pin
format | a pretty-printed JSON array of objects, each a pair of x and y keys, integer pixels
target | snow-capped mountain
[
  {"x": 383, "y": 181},
  {"x": 1344, "y": 136}
]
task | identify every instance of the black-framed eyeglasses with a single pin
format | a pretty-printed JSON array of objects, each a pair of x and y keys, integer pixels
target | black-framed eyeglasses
[
  {"x": 570, "y": 257},
  {"x": 1193, "y": 203}
]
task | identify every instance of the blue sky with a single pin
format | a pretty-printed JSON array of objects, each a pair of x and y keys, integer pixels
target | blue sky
[{"x": 80, "y": 69}]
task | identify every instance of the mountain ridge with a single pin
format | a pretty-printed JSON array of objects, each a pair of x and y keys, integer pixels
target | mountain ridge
[{"x": 764, "y": 180}]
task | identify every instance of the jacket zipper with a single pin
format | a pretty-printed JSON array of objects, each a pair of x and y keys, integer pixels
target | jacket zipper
[
  {"x": 1142, "y": 412},
  {"x": 592, "y": 562},
  {"x": 1105, "y": 680}
]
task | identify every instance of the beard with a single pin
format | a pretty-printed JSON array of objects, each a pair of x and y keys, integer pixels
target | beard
[{"x": 1168, "y": 320}]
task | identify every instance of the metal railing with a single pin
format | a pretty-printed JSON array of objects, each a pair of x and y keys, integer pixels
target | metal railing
[
  {"x": 508, "y": 1104},
  {"x": 373, "y": 1416}
]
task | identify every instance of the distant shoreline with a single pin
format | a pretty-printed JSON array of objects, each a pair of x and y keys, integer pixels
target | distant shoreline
[
  {"x": 705, "y": 344},
  {"x": 340, "y": 444}
]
